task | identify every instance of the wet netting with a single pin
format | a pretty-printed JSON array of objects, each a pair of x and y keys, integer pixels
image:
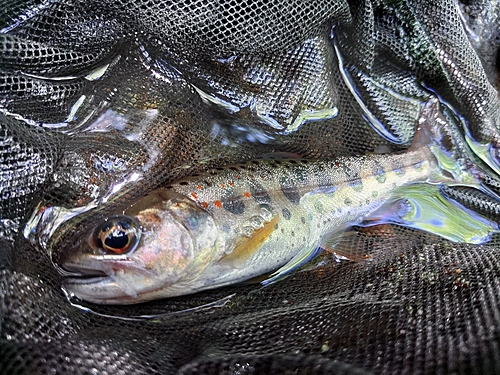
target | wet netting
[{"x": 103, "y": 101}]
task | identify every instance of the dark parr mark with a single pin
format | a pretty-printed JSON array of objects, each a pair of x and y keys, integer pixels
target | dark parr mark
[
  {"x": 352, "y": 176},
  {"x": 397, "y": 167},
  {"x": 289, "y": 190},
  {"x": 234, "y": 204},
  {"x": 259, "y": 193},
  {"x": 286, "y": 213}
]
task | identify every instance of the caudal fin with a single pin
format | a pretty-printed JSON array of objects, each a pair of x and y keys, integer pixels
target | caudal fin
[
  {"x": 458, "y": 164},
  {"x": 422, "y": 205}
]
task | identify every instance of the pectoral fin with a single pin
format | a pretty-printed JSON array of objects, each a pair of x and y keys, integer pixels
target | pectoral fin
[
  {"x": 298, "y": 261},
  {"x": 247, "y": 246},
  {"x": 423, "y": 207}
]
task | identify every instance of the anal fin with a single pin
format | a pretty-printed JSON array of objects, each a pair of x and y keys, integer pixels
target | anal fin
[{"x": 422, "y": 206}]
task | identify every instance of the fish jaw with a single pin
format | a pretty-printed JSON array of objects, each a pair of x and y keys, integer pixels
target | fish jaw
[{"x": 109, "y": 281}]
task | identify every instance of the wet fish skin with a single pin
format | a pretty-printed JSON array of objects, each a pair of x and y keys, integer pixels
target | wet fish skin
[{"x": 239, "y": 222}]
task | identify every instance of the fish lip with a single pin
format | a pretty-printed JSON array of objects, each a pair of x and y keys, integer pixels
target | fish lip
[
  {"x": 84, "y": 279},
  {"x": 96, "y": 266},
  {"x": 99, "y": 266},
  {"x": 74, "y": 271}
]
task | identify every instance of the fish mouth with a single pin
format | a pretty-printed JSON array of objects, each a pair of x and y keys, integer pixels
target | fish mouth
[
  {"x": 94, "y": 270},
  {"x": 93, "y": 266},
  {"x": 71, "y": 271},
  {"x": 76, "y": 277},
  {"x": 101, "y": 280}
]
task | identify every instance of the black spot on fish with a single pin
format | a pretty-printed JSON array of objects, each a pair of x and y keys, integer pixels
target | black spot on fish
[
  {"x": 234, "y": 204},
  {"x": 259, "y": 193},
  {"x": 183, "y": 183},
  {"x": 286, "y": 213},
  {"x": 303, "y": 220},
  {"x": 379, "y": 173},
  {"x": 352, "y": 176},
  {"x": 289, "y": 190}
]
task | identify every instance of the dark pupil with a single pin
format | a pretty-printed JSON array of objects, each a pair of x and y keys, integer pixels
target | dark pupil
[{"x": 116, "y": 240}]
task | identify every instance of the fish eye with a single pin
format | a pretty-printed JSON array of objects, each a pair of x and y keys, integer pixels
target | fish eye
[{"x": 117, "y": 235}]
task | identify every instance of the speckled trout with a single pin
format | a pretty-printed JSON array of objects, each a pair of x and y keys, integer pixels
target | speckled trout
[{"x": 233, "y": 224}]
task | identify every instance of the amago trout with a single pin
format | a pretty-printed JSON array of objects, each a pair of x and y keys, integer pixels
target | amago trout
[{"x": 239, "y": 222}]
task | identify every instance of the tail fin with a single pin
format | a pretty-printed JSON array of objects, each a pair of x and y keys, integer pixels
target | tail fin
[
  {"x": 422, "y": 205},
  {"x": 458, "y": 164},
  {"x": 444, "y": 140}
]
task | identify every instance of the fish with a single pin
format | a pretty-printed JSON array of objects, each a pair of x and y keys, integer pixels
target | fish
[{"x": 267, "y": 216}]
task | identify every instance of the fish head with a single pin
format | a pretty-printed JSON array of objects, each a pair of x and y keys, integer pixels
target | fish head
[{"x": 155, "y": 249}]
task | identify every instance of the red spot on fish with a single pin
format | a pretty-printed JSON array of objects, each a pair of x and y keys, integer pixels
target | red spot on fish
[
  {"x": 194, "y": 195},
  {"x": 231, "y": 184},
  {"x": 204, "y": 204},
  {"x": 247, "y": 194},
  {"x": 223, "y": 186},
  {"x": 200, "y": 187},
  {"x": 218, "y": 204}
]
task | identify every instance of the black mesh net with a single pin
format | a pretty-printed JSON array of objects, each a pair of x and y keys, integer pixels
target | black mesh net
[{"x": 94, "y": 94}]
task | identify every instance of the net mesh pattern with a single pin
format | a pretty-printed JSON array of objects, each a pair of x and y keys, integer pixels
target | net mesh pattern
[{"x": 141, "y": 93}]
